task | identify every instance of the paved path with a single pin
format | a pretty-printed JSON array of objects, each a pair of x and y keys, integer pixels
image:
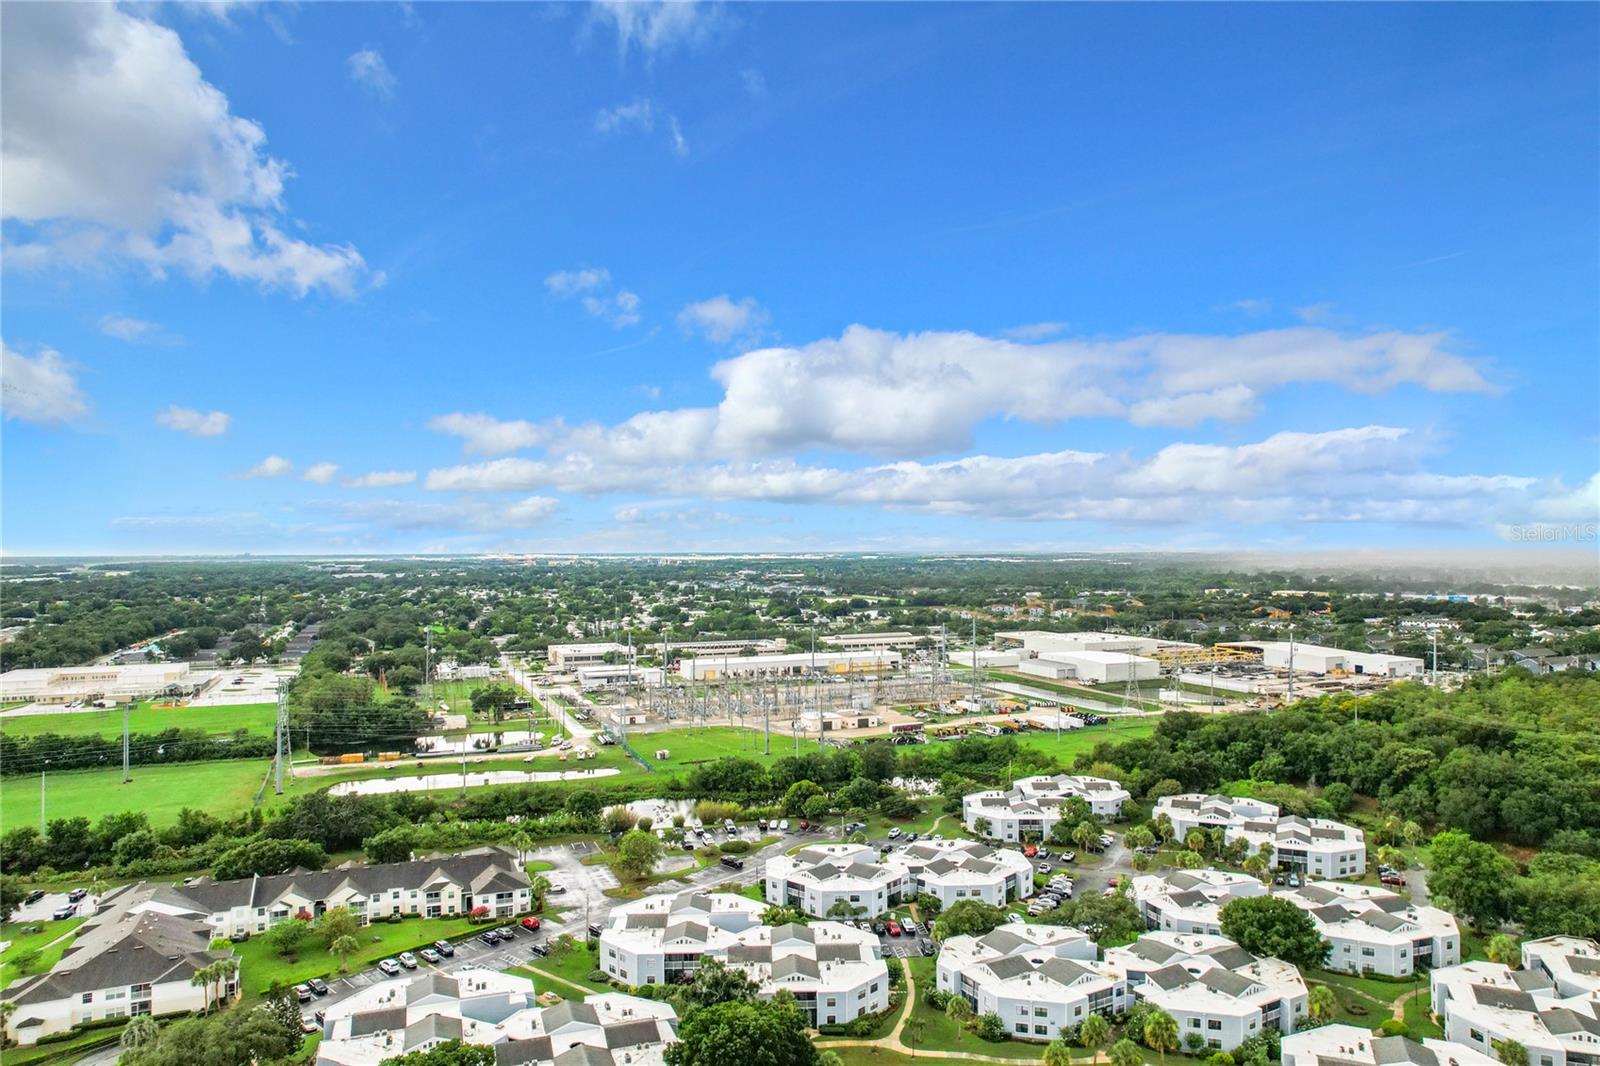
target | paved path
[{"x": 576, "y": 729}]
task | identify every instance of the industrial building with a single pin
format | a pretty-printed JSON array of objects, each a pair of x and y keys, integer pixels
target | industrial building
[
  {"x": 705, "y": 668},
  {"x": 570, "y": 656},
  {"x": 1090, "y": 666},
  {"x": 1035, "y": 642},
  {"x": 606, "y": 675},
  {"x": 82, "y": 684},
  {"x": 871, "y": 641},
  {"x": 1315, "y": 659}
]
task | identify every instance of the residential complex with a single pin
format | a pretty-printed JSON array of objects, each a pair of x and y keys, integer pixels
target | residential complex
[
  {"x": 1191, "y": 901},
  {"x": 1314, "y": 846},
  {"x": 1032, "y": 806},
  {"x": 134, "y": 956},
  {"x": 1212, "y": 987},
  {"x": 397, "y": 1017},
  {"x": 954, "y": 870},
  {"x": 1351, "y": 1045},
  {"x": 1373, "y": 930},
  {"x": 1040, "y": 979},
  {"x": 851, "y": 880},
  {"x": 835, "y": 972},
  {"x": 1482, "y": 1003},
  {"x": 1572, "y": 963}
]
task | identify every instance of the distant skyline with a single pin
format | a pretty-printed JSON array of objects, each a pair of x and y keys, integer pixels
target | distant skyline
[{"x": 367, "y": 278}]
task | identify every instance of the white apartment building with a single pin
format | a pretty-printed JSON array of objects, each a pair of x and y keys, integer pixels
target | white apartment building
[
  {"x": 1373, "y": 930},
  {"x": 131, "y": 958},
  {"x": 1351, "y": 1045},
  {"x": 836, "y": 972},
  {"x": 1315, "y": 846},
  {"x": 1212, "y": 987},
  {"x": 1032, "y": 805},
  {"x": 1571, "y": 962},
  {"x": 954, "y": 870},
  {"x": 397, "y": 1017},
  {"x": 819, "y": 878},
  {"x": 1479, "y": 1003},
  {"x": 1040, "y": 979},
  {"x": 1191, "y": 901}
]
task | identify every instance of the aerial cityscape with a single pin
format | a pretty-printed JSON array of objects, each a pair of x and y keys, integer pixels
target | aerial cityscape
[{"x": 686, "y": 533}]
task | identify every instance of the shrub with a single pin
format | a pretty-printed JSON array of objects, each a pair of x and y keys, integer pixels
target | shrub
[
  {"x": 1393, "y": 1027},
  {"x": 735, "y": 847}
]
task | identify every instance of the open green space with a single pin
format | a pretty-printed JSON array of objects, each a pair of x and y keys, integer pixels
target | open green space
[
  {"x": 261, "y": 966},
  {"x": 50, "y": 941},
  {"x": 146, "y": 717},
  {"x": 941, "y": 1034},
  {"x": 1071, "y": 743},
  {"x": 1113, "y": 698},
  {"x": 160, "y": 791},
  {"x": 573, "y": 965},
  {"x": 690, "y": 746}
]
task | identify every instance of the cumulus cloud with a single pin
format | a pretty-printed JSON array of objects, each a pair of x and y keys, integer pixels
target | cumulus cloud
[
  {"x": 321, "y": 473},
  {"x": 132, "y": 330},
  {"x": 573, "y": 282},
  {"x": 591, "y": 286},
  {"x": 1235, "y": 403},
  {"x": 483, "y": 434},
  {"x": 381, "y": 479},
  {"x": 188, "y": 420},
  {"x": 723, "y": 320},
  {"x": 1034, "y": 331},
  {"x": 656, "y": 26},
  {"x": 41, "y": 389},
  {"x": 640, "y": 114},
  {"x": 620, "y": 309},
  {"x": 271, "y": 466},
  {"x": 368, "y": 70},
  {"x": 115, "y": 147}
]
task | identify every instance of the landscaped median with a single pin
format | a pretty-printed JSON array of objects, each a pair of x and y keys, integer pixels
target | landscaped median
[{"x": 261, "y": 966}]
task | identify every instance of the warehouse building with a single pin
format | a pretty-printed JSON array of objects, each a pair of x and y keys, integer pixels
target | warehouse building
[
  {"x": 1315, "y": 659},
  {"x": 1040, "y": 642},
  {"x": 872, "y": 641},
  {"x": 570, "y": 656},
  {"x": 1098, "y": 667},
  {"x": 58, "y": 685},
  {"x": 797, "y": 665}
]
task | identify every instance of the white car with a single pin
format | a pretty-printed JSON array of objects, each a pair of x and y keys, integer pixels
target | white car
[{"x": 783, "y": 826}]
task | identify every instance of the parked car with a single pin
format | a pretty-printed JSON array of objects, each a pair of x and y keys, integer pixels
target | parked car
[
  {"x": 389, "y": 967},
  {"x": 555, "y": 889},
  {"x": 1030, "y": 850},
  {"x": 445, "y": 948},
  {"x": 531, "y": 923},
  {"x": 805, "y": 827},
  {"x": 877, "y": 928},
  {"x": 911, "y": 927},
  {"x": 1044, "y": 853},
  {"x": 928, "y": 948},
  {"x": 783, "y": 826},
  {"x": 732, "y": 863},
  {"x": 490, "y": 938},
  {"x": 1045, "y": 867},
  {"x": 307, "y": 1026},
  {"x": 321, "y": 1016},
  {"x": 894, "y": 831},
  {"x": 431, "y": 957},
  {"x": 318, "y": 986},
  {"x": 408, "y": 960},
  {"x": 507, "y": 932},
  {"x": 302, "y": 993},
  {"x": 1393, "y": 880},
  {"x": 1014, "y": 917},
  {"x": 77, "y": 894},
  {"x": 63, "y": 913},
  {"x": 539, "y": 950},
  {"x": 892, "y": 927},
  {"x": 33, "y": 897}
]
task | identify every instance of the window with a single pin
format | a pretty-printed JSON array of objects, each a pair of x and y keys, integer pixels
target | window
[
  {"x": 88, "y": 997},
  {"x": 1367, "y": 953},
  {"x": 1040, "y": 1012},
  {"x": 1022, "y": 1027},
  {"x": 1040, "y": 1030},
  {"x": 1023, "y": 1011},
  {"x": 1194, "y": 1023},
  {"x": 1212, "y": 1023}
]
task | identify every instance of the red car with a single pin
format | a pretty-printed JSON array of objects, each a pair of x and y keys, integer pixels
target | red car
[
  {"x": 805, "y": 827},
  {"x": 892, "y": 927},
  {"x": 530, "y": 923},
  {"x": 1393, "y": 880},
  {"x": 1030, "y": 850}
]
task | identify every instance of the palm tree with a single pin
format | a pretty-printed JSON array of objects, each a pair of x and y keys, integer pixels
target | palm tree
[
  {"x": 1195, "y": 840},
  {"x": 523, "y": 843},
  {"x": 541, "y": 888},
  {"x": 1161, "y": 1033},
  {"x": 1321, "y": 1004},
  {"x": 1142, "y": 862},
  {"x": 913, "y": 1033},
  {"x": 1412, "y": 834},
  {"x": 1164, "y": 828},
  {"x": 1125, "y": 1053},
  {"x": 1094, "y": 1032},
  {"x": 344, "y": 947},
  {"x": 204, "y": 977},
  {"x": 1057, "y": 1053},
  {"x": 139, "y": 1032},
  {"x": 225, "y": 969},
  {"x": 1503, "y": 949},
  {"x": 959, "y": 1011},
  {"x": 1084, "y": 834},
  {"x": 1140, "y": 836},
  {"x": 1189, "y": 860}
]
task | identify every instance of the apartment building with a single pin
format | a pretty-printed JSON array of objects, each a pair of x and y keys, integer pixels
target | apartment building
[
  {"x": 1212, "y": 987},
  {"x": 1572, "y": 963},
  {"x": 1482, "y": 1003},
  {"x": 1373, "y": 930},
  {"x": 130, "y": 958},
  {"x": 954, "y": 870},
  {"x": 394, "y": 1018},
  {"x": 1191, "y": 901},
  {"x": 1040, "y": 979},
  {"x": 1351, "y": 1045},
  {"x": 1316, "y": 847},
  {"x": 660, "y": 939},
  {"x": 1032, "y": 806},
  {"x": 489, "y": 878},
  {"x": 838, "y": 880}
]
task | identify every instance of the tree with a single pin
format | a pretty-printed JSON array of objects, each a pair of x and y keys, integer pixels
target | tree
[
  {"x": 798, "y": 795},
  {"x": 1321, "y": 1003},
  {"x": 619, "y": 819},
  {"x": 449, "y": 1053},
  {"x": 968, "y": 917},
  {"x": 780, "y": 914},
  {"x": 335, "y": 923},
  {"x": 637, "y": 855},
  {"x": 394, "y": 844},
  {"x": 818, "y": 807},
  {"x": 714, "y": 983},
  {"x": 958, "y": 1010},
  {"x": 344, "y": 947},
  {"x": 743, "y": 1033},
  {"x": 1125, "y": 1053},
  {"x": 269, "y": 856},
  {"x": 524, "y": 843},
  {"x": 1141, "y": 836},
  {"x": 1219, "y": 1058},
  {"x": 13, "y": 890},
  {"x": 1510, "y": 1052},
  {"x": 283, "y": 1007},
  {"x": 1161, "y": 1032},
  {"x": 1503, "y": 948},
  {"x": 1271, "y": 925},
  {"x": 1057, "y": 1053},
  {"x": 139, "y": 1032},
  {"x": 1094, "y": 1032},
  {"x": 991, "y": 1026},
  {"x": 1085, "y": 835},
  {"x": 203, "y": 978},
  {"x": 912, "y": 1033},
  {"x": 1474, "y": 879},
  {"x": 289, "y": 936}
]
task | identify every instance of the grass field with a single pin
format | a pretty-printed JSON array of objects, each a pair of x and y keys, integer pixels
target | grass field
[
  {"x": 258, "y": 718},
  {"x": 262, "y": 966},
  {"x": 160, "y": 791},
  {"x": 21, "y": 943},
  {"x": 1074, "y": 742},
  {"x": 710, "y": 744}
]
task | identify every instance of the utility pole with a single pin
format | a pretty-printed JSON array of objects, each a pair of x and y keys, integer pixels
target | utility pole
[
  {"x": 1433, "y": 637},
  {"x": 41, "y": 803},
  {"x": 278, "y": 738},
  {"x": 465, "y": 743},
  {"x": 126, "y": 709},
  {"x": 822, "y": 742},
  {"x": 1291, "y": 665}
]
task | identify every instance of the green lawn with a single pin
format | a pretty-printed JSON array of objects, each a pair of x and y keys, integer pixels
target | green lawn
[
  {"x": 1074, "y": 742},
  {"x": 572, "y": 966},
  {"x": 21, "y": 943},
  {"x": 160, "y": 791},
  {"x": 940, "y": 1034},
  {"x": 257, "y": 718},
  {"x": 687, "y": 747},
  {"x": 261, "y": 966},
  {"x": 1419, "y": 1019}
]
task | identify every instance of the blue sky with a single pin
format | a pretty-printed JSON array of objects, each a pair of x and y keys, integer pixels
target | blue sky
[{"x": 373, "y": 277}]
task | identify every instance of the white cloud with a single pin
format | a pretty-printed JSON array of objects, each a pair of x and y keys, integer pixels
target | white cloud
[
  {"x": 1250, "y": 306},
  {"x": 271, "y": 466},
  {"x": 188, "y": 420},
  {"x": 620, "y": 309},
  {"x": 41, "y": 389},
  {"x": 573, "y": 282},
  {"x": 368, "y": 69},
  {"x": 381, "y": 479},
  {"x": 486, "y": 435},
  {"x": 640, "y": 114},
  {"x": 656, "y": 26},
  {"x": 723, "y": 320},
  {"x": 321, "y": 473},
  {"x": 680, "y": 146},
  {"x": 132, "y": 330},
  {"x": 1034, "y": 331},
  {"x": 470, "y": 515},
  {"x": 115, "y": 147},
  {"x": 1233, "y": 403},
  {"x": 755, "y": 83}
]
